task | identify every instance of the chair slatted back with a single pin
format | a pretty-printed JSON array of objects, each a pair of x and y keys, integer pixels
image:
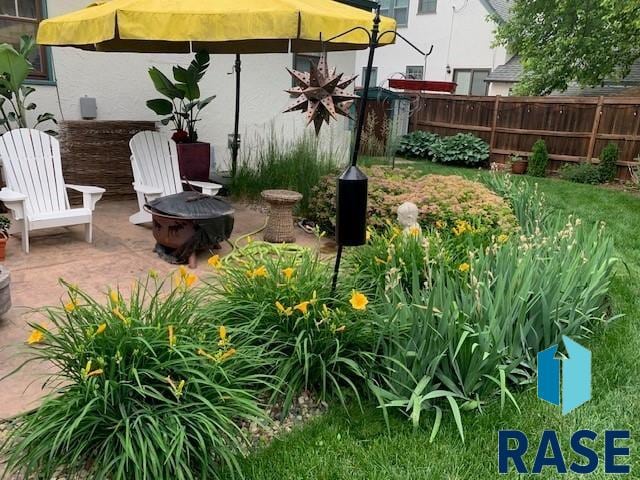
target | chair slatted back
[
  {"x": 32, "y": 166},
  {"x": 155, "y": 162}
]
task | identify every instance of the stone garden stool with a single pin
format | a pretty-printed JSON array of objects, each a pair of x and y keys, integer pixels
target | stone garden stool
[{"x": 279, "y": 227}]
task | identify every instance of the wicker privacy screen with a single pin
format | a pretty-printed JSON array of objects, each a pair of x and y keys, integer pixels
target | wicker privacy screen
[{"x": 97, "y": 153}]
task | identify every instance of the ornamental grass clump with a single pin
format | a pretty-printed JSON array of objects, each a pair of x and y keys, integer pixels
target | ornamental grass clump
[
  {"x": 282, "y": 294},
  {"x": 142, "y": 389}
]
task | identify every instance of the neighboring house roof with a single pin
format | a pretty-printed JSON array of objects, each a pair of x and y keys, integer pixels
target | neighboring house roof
[
  {"x": 510, "y": 72},
  {"x": 499, "y": 7},
  {"x": 608, "y": 87}
]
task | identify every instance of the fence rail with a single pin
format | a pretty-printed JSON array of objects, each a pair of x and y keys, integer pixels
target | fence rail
[{"x": 575, "y": 129}]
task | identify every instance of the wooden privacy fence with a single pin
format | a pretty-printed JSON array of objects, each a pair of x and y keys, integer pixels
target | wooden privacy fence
[{"x": 575, "y": 129}]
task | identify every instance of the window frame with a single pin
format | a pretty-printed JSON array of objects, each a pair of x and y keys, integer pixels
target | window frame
[
  {"x": 391, "y": 12},
  {"x": 45, "y": 74},
  {"x": 374, "y": 76},
  {"x": 423, "y": 11},
  {"x": 472, "y": 71},
  {"x": 406, "y": 72}
]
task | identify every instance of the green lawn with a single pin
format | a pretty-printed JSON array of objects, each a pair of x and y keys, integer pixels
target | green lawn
[{"x": 357, "y": 446}]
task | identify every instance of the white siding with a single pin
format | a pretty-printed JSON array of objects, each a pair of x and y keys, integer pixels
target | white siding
[
  {"x": 121, "y": 85},
  {"x": 471, "y": 37}
]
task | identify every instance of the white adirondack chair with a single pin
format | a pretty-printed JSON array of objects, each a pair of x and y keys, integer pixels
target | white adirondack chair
[
  {"x": 36, "y": 193},
  {"x": 154, "y": 160}
]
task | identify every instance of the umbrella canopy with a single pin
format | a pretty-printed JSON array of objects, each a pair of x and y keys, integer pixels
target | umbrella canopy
[{"x": 218, "y": 26}]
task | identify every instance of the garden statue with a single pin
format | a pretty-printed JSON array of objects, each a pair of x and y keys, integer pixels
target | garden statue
[
  {"x": 408, "y": 218},
  {"x": 321, "y": 93}
]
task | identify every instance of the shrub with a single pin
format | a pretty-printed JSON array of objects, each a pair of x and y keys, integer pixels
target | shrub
[
  {"x": 581, "y": 173},
  {"x": 142, "y": 390},
  {"x": 463, "y": 148},
  {"x": 538, "y": 160},
  {"x": 282, "y": 294},
  {"x": 608, "y": 167},
  {"x": 456, "y": 335},
  {"x": 296, "y": 165},
  {"x": 440, "y": 198},
  {"x": 417, "y": 144}
]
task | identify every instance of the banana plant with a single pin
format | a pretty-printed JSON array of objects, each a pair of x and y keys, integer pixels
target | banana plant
[
  {"x": 14, "y": 104},
  {"x": 182, "y": 103}
]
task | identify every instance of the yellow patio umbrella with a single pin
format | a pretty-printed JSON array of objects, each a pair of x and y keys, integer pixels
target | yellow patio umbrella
[{"x": 218, "y": 26}]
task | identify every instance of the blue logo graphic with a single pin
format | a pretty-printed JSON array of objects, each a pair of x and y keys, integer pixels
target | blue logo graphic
[{"x": 576, "y": 376}]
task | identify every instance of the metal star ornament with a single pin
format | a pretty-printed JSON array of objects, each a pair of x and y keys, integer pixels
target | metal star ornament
[{"x": 321, "y": 93}]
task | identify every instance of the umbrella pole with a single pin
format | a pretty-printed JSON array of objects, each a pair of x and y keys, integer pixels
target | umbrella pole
[
  {"x": 235, "y": 146},
  {"x": 373, "y": 44}
]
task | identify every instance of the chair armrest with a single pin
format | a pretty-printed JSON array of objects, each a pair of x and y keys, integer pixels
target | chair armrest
[
  {"x": 14, "y": 201},
  {"x": 90, "y": 195},
  {"x": 208, "y": 188}
]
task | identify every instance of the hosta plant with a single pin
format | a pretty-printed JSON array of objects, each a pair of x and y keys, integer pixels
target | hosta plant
[
  {"x": 142, "y": 389},
  {"x": 462, "y": 148},
  {"x": 282, "y": 294},
  {"x": 417, "y": 144}
]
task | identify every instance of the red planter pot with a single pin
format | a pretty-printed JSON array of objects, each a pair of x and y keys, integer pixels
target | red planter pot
[
  {"x": 519, "y": 167},
  {"x": 194, "y": 160}
]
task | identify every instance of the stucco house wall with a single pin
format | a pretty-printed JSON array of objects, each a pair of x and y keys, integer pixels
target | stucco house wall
[
  {"x": 121, "y": 86},
  {"x": 461, "y": 35}
]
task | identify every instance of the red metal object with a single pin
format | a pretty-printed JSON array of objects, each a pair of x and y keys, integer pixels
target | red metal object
[{"x": 422, "y": 85}]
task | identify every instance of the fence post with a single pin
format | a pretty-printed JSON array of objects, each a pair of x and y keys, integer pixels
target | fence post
[
  {"x": 594, "y": 129},
  {"x": 416, "y": 112},
  {"x": 494, "y": 122}
]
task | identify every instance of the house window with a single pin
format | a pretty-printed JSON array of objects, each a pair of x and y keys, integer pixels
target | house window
[
  {"x": 427, "y": 6},
  {"x": 21, "y": 17},
  {"x": 374, "y": 76},
  {"x": 414, "y": 72},
  {"x": 471, "y": 81},
  {"x": 398, "y": 9},
  {"x": 302, "y": 62}
]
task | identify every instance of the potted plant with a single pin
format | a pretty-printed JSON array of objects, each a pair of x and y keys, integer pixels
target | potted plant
[
  {"x": 181, "y": 108},
  {"x": 518, "y": 164},
  {"x": 15, "y": 104},
  {"x": 5, "y": 223}
]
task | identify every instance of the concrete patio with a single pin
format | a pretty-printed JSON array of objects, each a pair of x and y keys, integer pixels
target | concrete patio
[{"x": 121, "y": 252}]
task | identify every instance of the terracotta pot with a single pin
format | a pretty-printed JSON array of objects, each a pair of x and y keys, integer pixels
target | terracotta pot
[
  {"x": 194, "y": 160},
  {"x": 5, "y": 291},
  {"x": 519, "y": 167},
  {"x": 3, "y": 248}
]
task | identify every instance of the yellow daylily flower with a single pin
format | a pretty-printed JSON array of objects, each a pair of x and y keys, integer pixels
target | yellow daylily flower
[
  {"x": 440, "y": 224},
  {"x": 70, "y": 306},
  {"x": 288, "y": 272},
  {"x": 503, "y": 238},
  {"x": 358, "y": 300},
  {"x": 36, "y": 337},
  {"x": 96, "y": 372},
  {"x": 260, "y": 272},
  {"x": 464, "y": 267},
  {"x": 114, "y": 296},
  {"x": 214, "y": 261},
  {"x": 414, "y": 230},
  {"x": 190, "y": 279},
  {"x": 303, "y": 307},
  {"x": 281, "y": 309},
  {"x": 182, "y": 271},
  {"x": 101, "y": 328},
  {"x": 224, "y": 338},
  {"x": 228, "y": 354},
  {"x": 116, "y": 311}
]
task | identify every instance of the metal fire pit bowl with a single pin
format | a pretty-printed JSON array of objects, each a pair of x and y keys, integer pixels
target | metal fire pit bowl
[{"x": 187, "y": 222}]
